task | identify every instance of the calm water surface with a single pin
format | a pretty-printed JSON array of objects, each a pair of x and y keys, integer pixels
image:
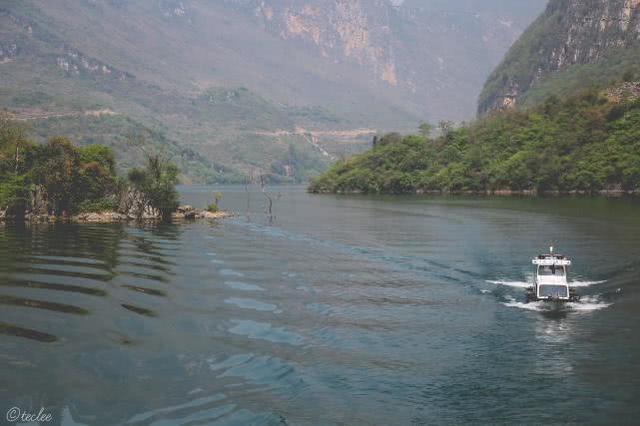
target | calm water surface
[{"x": 338, "y": 310}]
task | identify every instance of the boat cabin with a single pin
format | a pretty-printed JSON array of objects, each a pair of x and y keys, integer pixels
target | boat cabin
[{"x": 551, "y": 277}]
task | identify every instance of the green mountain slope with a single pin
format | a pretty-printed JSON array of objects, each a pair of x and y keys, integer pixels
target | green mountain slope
[
  {"x": 587, "y": 143},
  {"x": 572, "y": 45}
]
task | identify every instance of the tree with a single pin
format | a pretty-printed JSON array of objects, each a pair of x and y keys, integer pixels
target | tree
[
  {"x": 57, "y": 169},
  {"x": 14, "y": 195},
  {"x": 268, "y": 197},
  {"x": 425, "y": 129},
  {"x": 445, "y": 127},
  {"x": 14, "y": 184},
  {"x": 390, "y": 139},
  {"x": 156, "y": 186},
  {"x": 213, "y": 207}
]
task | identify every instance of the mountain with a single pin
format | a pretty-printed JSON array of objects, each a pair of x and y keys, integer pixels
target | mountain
[
  {"x": 232, "y": 88},
  {"x": 565, "y": 118},
  {"x": 574, "y": 44}
]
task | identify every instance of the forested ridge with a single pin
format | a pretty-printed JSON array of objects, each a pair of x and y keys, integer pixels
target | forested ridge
[{"x": 586, "y": 143}]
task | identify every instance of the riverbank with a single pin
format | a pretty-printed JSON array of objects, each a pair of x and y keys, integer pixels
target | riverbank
[
  {"x": 183, "y": 213},
  {"x": 609, "y": 193}
]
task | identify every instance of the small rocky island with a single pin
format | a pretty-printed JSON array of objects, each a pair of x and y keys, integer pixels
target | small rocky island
[
  {"x": 183, "y": 213},
  {"x": 61, "y": 182}
]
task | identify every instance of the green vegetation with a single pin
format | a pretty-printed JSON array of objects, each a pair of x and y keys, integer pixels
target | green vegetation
[
  {"x": 572, "y": 46},
  {"x": 57, "y": 178},
  {"x": 73, "y": 178},
  {"x": 614, "y": 67},
  {"x": 156, "y": 186},
  {"x": 585, "y": 143},
  {"x": 213, "y": 207}
]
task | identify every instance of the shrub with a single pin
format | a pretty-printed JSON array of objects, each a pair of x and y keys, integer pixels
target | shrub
[
  {"x": 156, "y": 184},
  {"x": 213, "y": 207},
  {"x": 98, "y": 206}
]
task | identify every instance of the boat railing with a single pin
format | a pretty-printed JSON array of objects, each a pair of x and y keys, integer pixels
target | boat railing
[{"x": 551, "y": 261}]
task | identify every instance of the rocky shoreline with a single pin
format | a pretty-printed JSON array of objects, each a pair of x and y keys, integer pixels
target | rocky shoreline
[
  {"x": 183, "y": 213},
  {"x": 609, "y": 193}
]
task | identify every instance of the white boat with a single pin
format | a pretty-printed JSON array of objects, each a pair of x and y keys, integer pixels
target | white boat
[{"x": 550, "y": 279}]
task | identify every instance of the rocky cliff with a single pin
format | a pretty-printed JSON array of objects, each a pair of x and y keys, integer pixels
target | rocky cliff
[
  {"x": 429, "y": 55},
  {"x": 568, "y": 35},
  {"x": 352, "y": 30}
]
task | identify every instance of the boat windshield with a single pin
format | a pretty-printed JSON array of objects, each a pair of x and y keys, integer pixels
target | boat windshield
[
  {"x": 553, "y": 291},
  {"x": 551, "y": 270}
]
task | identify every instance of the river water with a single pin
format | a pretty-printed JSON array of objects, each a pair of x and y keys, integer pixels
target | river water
[{"x": 334, "y": 310}]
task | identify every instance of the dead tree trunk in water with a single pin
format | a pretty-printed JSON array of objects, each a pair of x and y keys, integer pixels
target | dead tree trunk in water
[{"x": 263, "y": 187}]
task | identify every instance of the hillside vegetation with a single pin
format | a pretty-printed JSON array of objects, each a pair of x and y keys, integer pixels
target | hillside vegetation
[
  {"x": 573, "y": 45},
  {"x": 585, "y": 143},
  {"x": 610, "y": 69}
]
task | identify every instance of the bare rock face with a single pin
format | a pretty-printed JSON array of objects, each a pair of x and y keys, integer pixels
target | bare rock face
[
  {"x": 185, "y": 212},
  {"x": 629, "y": 91},
  {"x": 39, "y": 201},
  {"x": 104, "y": 217},
  {"x": 569, "y": 32},
  {"x": 352, "y": 30},
  {"x": 432, "y": 54},
  {"x": 185, "y": 209},
  {"x": 213, "y": 215}
]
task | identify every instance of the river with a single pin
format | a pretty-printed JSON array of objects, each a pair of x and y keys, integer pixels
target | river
[{"x": 334, "y": 310}]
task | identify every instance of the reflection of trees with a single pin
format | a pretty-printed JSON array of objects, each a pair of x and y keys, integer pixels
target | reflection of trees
[
  {"x": 68, "y": 317},
  {"x": 99, "y": 242}
]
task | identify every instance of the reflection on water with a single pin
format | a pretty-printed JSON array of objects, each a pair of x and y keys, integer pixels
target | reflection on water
[{"x": 353, "y": 310}]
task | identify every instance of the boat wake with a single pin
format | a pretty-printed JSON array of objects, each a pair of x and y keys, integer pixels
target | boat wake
[
  {"x": 586, "y": 304},
  {"x": 531, "y": 306},
  {"x": 515, "y": 284},
  {"x": 527, "y": 284},
  {"x": 585, "y": 283}
]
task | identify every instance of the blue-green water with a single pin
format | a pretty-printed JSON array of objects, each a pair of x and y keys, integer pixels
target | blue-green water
[{"x": 338, "y": 310}]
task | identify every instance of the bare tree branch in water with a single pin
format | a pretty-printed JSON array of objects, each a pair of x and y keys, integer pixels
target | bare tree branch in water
[
  {"x": 263, "y": 187},
  {"x": 248, "y": 180}
]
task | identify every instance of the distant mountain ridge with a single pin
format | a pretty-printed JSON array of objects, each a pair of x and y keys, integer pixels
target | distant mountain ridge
[
  {"x": 574, "y": 44},
  {"x": 225, "y": 85}
]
